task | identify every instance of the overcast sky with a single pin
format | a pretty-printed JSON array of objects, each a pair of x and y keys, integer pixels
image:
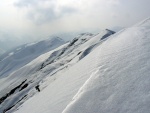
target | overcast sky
[{"x": 33, "y": 19}]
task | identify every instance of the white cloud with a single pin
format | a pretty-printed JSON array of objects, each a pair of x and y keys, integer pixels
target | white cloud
[
  {"x": 114, "y": 2},
  {"x": 43, "y": 11},
  {"x": 41, "y": 18}
]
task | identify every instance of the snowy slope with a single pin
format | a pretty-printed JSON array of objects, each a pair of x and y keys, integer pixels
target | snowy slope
[
  {"x": 113, "y": 78},
  {"x": 19, "y": 85},
  {"x": 24, "y": 54},
  {"x": 66, "y": 79},
  {"x": 45, "y": 70},
  {"x": 121, "y": 82}
]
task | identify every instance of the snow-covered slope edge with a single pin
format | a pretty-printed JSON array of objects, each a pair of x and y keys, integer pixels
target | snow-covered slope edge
[{"x": 121, "y": 81}]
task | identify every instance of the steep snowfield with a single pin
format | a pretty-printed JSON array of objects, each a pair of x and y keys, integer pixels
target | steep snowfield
[
  {"x": 121, "y": 81},
  {"x": 113, "y": 78},
  {"x": 20, "y": 56},
  {"x": 65, "y": 83},
  {"x": 20, "y": 85},
  {"x": 48, "y": 69}
]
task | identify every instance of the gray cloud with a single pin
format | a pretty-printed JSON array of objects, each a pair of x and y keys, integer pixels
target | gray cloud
[
  {"x": 25, "y": 3},
  {"x": 43, "y": 11},
  {"x": 28, "y": 20}
]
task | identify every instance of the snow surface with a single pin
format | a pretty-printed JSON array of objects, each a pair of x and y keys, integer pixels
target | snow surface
[
  {"x": 19, "y": 85},
  {"x": 28, "y": 73},
  {"x": 121, "y": 82},
  {"x": 113, "y": 78}
]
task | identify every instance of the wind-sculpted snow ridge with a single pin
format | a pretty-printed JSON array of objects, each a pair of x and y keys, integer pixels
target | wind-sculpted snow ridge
[
  {"x": 47, "y": 69},
  {"x": 120, "y": 82}
]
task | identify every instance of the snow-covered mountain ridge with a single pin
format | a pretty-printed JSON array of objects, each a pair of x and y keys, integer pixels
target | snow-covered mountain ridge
[
  {"x": 39, "y": 71},
  {"x": 112, "y": 78},
  {"x": 120, "y": 83},
  {"x": 90, "y": 74}
]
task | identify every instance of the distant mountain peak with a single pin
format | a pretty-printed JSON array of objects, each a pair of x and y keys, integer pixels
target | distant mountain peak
[
  {"x": 110, "y": 31},
  {"x": 107, "y": 33},
  {"x": 56, "y": 38},
  {"x": 90, "y": 34},
  {"x": 26, "y": 53}
]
